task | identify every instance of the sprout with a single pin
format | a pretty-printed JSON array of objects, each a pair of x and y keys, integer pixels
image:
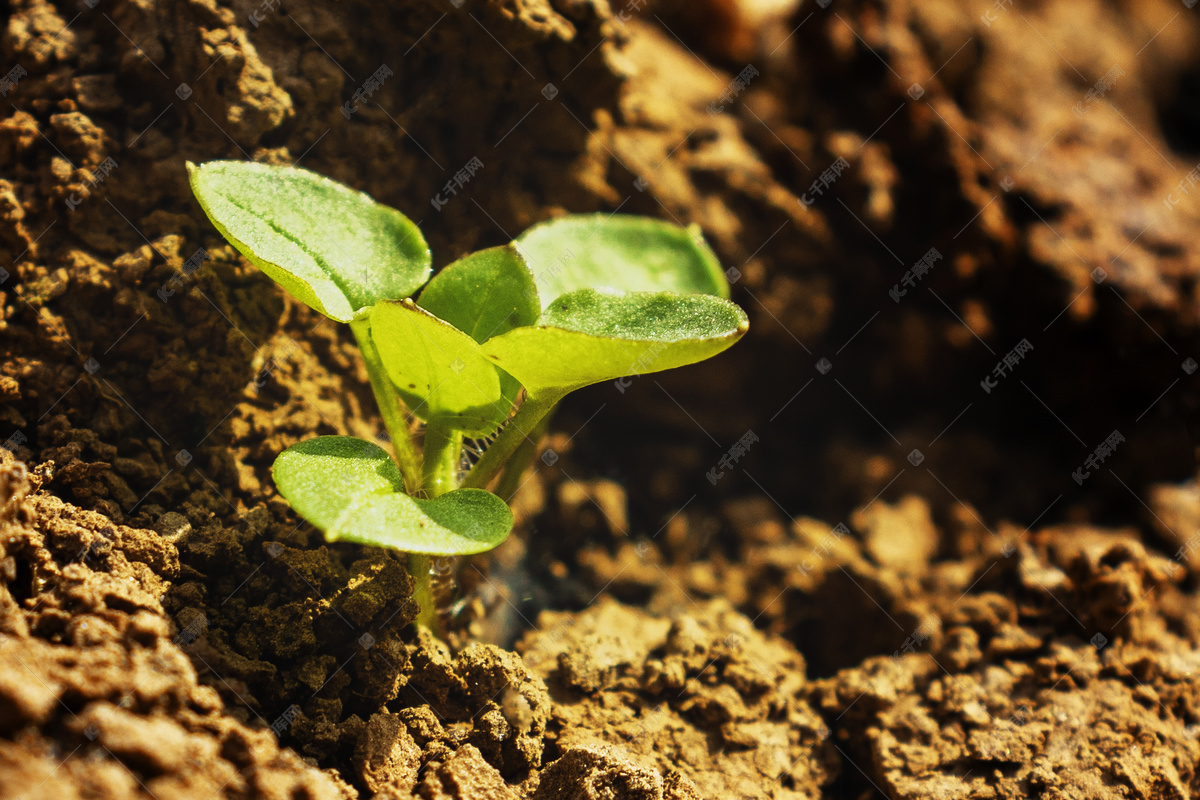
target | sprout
[{"x": 488, "y": 348}]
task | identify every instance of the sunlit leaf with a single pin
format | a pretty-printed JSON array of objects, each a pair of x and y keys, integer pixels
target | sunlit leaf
[
  {"x": 350, "y": 489},
  {"x": 333, "y": 248},
  {"x": 458, "y": 523},
  {"x": 438, "y": 370},
  {"x": 587, "y": 336},
  {"x": 621, "y": 253},
  {"x": 486, "y": 294},
  {"x": 321, "y": 477}
]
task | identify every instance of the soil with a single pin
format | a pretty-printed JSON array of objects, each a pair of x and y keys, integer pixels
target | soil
[{"x": 957, "y": 559}]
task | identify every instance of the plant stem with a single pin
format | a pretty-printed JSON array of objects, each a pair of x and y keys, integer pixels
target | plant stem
[
  {"x": 406, "y": 457},
  {"x": 419, "y": 566},
  {"x": 521, "y": 458},
  {"x": 521, "y": 427},
  {"x": 442, "y": 450},
  {"x": 389, "y": 406}
]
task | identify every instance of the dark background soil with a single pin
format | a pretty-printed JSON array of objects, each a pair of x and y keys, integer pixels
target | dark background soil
[{"x": 983, "y": 626}]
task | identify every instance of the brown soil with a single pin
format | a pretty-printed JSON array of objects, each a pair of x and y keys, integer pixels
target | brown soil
[{"x": 899, "y": 591}]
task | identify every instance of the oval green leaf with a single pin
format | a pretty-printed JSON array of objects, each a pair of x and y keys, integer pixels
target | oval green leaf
[
  {"x": 351, "y": 489},
  {"x": 458, "y": 523},
  {"x": 588, "y": 336},
  {"x": 486, "y": 294},
  {"x": 620, "y": 253},
  {"x": 437, "y": 369},
  {"x": 322, "y": 477},
  {"x": 333, "y": 248}
]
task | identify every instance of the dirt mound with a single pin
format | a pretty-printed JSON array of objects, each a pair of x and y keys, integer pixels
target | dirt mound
[
  {"x": 701, "y": 704},
  {"x": 99, "y": 696},
  {"x": 964, "y": 234}
]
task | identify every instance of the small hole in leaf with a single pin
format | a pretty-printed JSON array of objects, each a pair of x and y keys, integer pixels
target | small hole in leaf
[{"x": 412, "y": 386}]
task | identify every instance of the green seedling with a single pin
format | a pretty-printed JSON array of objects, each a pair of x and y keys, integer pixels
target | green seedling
[{"x": 486, "y": 351}]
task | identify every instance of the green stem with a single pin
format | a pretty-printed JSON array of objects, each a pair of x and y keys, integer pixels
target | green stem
[
  {"x": 389, "y": 406},
  {"x": 406, "y": 457},
  {"x": 523, "y": 426},
  {"x": 427, "y": 617},
  {"x": 522, "y": 457},
  {"x": 442, "y": 450}
]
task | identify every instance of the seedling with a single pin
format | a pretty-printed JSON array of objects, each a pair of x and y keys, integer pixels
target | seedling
[{"x": 487, "y": 350}]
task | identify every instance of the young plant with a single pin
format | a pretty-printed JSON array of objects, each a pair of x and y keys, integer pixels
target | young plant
[{"x": 570, "y": 302}]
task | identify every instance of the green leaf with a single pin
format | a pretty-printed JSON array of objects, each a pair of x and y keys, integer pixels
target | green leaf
[
  {"x": 335, "y": 249},
  {"x": 486, "y": 294},
  {"x": 619, "y": 252},
  {"x": 351, "y": 489},
  {"x": 588, "y": 336},
  {"x": 322, "y": 477},
  {"x": 645, "y": 316},
  {"x": 437, "y": 369},
  {"x": 458, "y": 523}
]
